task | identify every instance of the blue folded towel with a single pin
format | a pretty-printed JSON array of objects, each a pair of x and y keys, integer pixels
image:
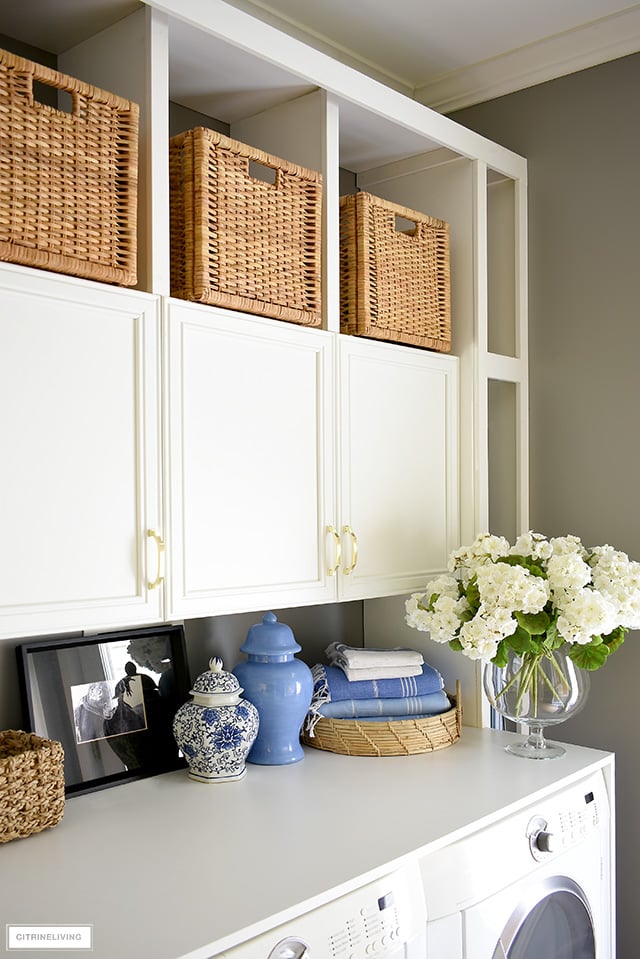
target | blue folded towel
[
  {"x": 344, "y": 698},
  {"x": 405, "y": 706},
  {"x": 330, "y": 685}
]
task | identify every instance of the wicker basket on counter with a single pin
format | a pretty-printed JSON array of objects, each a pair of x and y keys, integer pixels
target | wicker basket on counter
[
  {"x": 394, "y": 282},
  {"x": 393, "y": 737},
  {"x": 32, "y": 792},
  {"x": 239, "y": 240},
  {"x": 68, "y": 180}
]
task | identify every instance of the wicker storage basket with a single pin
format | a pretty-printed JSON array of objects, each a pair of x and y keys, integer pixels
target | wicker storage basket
[
  {"x": 31, "y": 784},
  {"x": 395, "y": 737},
  {"x": 238, "y": 241},
  {"x": 68, "y": 181},
  {"x": 394, "y": 283}
]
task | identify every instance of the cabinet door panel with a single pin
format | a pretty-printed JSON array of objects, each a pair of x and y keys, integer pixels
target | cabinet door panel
[
  {"x": 79, "y": 432},
  {"x": 398, "y": 465},
  {"x": 248, "y": 477}
]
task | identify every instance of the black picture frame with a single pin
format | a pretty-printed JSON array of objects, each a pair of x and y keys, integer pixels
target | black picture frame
[{"x": 110, "y": 699}]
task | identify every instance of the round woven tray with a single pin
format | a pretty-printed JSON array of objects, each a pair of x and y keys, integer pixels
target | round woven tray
[{"x": 396, "y": 737}]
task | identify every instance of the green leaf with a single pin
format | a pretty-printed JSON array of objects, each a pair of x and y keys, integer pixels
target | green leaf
[
  {"x": 502, "y": 654},
  {"x": 590, "y": 656},
  {"x": 466, "y": 615},
  {"x": 520, "y": 641},
  {"x": 553, "y": 639},
  {"x": 456, "y": 645},
  {"x": 535, "y": 623},
  {"x": 615, "y": 639},
  {"x": 526, "y": 561},
  {"x": 473, "y": 594}
]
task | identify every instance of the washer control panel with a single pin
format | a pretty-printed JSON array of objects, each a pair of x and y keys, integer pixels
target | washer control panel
[
  {"x": 564, "y": 827},
  {"x": 376, "y": 921}
]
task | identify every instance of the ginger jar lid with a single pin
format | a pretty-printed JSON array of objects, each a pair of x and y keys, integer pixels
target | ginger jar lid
[
  {"x": 270, "y": 640},
  {"x": 216, "y": 685}
]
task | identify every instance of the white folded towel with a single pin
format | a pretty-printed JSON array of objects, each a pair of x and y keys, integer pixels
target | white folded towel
[
  {"x": 357, "y": 657},
  {"x": 378, "y": 672}
]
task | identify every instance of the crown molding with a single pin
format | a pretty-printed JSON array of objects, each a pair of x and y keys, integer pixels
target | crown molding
[{"x": 578, "y": 49}]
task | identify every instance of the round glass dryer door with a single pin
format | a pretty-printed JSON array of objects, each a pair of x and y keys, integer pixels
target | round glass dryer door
[{"x": 555, "y": 923}]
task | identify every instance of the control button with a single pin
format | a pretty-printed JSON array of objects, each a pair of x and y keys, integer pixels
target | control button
[
  {"x": 289, "y": 949},
  {"x": 547, "y": 842}
]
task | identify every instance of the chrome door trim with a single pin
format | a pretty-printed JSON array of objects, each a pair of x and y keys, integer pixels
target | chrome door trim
[{"x": 533, "y": 895}]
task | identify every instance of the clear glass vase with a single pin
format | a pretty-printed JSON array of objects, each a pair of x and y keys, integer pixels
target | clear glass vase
[{"x": 537, "y": 690}]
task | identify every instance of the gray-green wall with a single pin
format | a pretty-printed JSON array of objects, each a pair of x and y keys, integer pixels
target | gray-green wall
[{"x": 581, "y": 136}]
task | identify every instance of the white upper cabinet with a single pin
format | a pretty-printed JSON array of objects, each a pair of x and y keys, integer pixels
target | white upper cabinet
[
  {"x": 79, "y": 432},
  {"x": 398, "y": 467},
  {"x": 249, "y": 471}
]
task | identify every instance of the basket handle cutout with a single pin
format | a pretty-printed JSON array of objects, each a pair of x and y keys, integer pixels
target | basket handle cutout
[
  {"x": 405, "y": 226},
  {"x": 49, "y": 95},
  {"x": 263, "y": 172}
]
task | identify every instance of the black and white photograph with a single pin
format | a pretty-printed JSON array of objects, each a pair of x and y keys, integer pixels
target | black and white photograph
[{"x": 110, "y": 699}]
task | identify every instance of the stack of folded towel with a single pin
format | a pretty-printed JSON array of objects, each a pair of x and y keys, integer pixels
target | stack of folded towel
[{"x": 374, "y": 685}]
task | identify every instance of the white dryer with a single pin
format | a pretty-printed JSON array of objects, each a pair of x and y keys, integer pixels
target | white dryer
[{"x": 535, "y": 885}]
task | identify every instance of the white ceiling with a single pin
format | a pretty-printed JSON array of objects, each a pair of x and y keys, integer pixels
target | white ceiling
[
  {"x": 451, "y": 53},
  {"x": 445, "y": 53}
]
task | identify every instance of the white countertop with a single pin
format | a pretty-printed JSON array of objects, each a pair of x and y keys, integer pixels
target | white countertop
[{"x": 169, "y": 867}]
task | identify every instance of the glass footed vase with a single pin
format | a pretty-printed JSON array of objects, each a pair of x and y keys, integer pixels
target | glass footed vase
[{"x": 536, "y": 690}]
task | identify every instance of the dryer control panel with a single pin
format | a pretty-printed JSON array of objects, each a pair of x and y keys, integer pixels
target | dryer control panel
[
  {"x": 386, "y": 919},
  {"x": 565, "y": 826},
  {"x": 503, "y": 852}
]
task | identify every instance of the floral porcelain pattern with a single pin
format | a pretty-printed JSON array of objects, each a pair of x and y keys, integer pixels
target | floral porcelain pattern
[{"x": 217, "y": 729}]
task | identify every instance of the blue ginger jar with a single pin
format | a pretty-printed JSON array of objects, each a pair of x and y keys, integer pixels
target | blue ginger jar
[
  {"x": 216, "y": 730},
  {"x": 280, "y": 686}
]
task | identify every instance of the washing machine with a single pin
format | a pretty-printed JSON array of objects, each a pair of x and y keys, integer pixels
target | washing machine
[
  {"x": 537, "y": 884},
  {"x": 385, "y": 919}
]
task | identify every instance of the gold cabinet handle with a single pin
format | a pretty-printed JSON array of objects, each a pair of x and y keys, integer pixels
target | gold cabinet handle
[
  {"x": 354, "y": 549},
  {"x": 331, "y": 530},
  {"x": 151, "y": 534}
]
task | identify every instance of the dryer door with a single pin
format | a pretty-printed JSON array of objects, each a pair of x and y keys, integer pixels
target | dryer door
[{"x": 554, "y": 922}]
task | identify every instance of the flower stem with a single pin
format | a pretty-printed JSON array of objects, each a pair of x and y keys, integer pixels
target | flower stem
[{"x": 556, "y": 666}]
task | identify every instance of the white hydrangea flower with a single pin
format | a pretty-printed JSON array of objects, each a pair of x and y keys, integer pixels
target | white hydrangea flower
[
  {"x": 444, "y": 585},
  {"x": 484, "y": 549},
  {"x": 499, "y": 620},
  {"x": 415, "y": 615},
  {"x": 618, "y": 579},
  {"x": 443, "y": 622},
  {"x": 586, "y": 615},
  {"x": 512, "y": 587},
  {"x": 567, "y": 573},
  {"x": 532, "y": 544},
  {"x": 478, "y": 639},
  {"x": 446, "y": 618},
  {"x": 567, "y": 544}
]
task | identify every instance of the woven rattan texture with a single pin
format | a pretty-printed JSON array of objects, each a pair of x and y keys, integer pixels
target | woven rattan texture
[
  {"x": 31, "y": 784},
  {"x": 403, "y": 737},
  {"x": 239, "y": 241},
  {"x": 395, "y": 284},
  {"x": 68, "y": 180}
]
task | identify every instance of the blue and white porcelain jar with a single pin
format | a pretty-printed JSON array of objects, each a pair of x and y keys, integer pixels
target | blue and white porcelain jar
[
  {"x": 280, "y": 686},
  {"x": 216, "y": 730}
]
